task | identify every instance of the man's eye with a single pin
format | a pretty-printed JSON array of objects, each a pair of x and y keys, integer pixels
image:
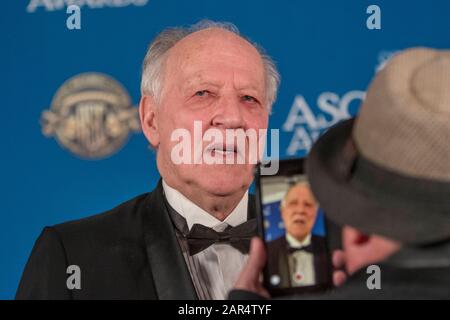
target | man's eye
[
  {"x": 248, "y": 98},
  {"x": 202, "y": 93}
]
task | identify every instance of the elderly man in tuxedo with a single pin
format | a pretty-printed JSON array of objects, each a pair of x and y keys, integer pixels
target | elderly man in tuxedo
[
  {"x": 298, "y": 258},
  {"x": 188, "y": 238}
]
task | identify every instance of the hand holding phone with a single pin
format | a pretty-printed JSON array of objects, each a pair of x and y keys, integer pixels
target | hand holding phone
[{"x": 294, "y": 229}]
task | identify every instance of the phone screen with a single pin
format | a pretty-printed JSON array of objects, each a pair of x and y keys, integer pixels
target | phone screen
[{"x": 294, "y": 229}]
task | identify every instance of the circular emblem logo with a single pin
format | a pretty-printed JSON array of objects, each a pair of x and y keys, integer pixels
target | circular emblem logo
[{"x": 91, "y": 115}]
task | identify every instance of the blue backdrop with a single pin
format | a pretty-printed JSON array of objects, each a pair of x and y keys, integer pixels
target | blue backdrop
[{"x": 324, "y": 51}]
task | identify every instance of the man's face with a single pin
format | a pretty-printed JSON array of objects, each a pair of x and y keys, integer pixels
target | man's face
[
  {"x": 217, "y": 78},
  {"x": 299, "y": 211}
]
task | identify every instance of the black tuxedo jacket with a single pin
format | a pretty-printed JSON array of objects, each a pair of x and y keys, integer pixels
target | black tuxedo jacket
[
  {"x": 277, "y": 252},
  {"x": 129, "y": 252}
]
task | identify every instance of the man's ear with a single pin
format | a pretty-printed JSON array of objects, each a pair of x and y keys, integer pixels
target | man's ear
[
  {"x": 353, "y": 237},
  {"x": 362, "y": 250},
  {"x": 149, "y": 120},
  {"x": 357, "y": 248}
]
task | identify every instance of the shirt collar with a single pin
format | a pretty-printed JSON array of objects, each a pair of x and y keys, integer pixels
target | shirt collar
[
  {"x": 294, "y": 243},
  {"x": 194, "y": 214}
]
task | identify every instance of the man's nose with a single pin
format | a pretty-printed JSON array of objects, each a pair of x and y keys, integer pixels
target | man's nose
[
  {"x": 301, "y": 210},
  {"x": 228, "y": 114}
]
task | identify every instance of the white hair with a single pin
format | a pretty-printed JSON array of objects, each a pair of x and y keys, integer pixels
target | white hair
[
  {"x": 153, "y": 65},
  {"x": 301, "y": 183}
]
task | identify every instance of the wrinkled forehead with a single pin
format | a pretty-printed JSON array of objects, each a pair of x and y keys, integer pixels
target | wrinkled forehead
[
  {"x": 215, "y": 53},
  {"x": 301, "y": 192}
]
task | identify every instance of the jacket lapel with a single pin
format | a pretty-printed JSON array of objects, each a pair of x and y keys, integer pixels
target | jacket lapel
[
  {"x": 170, "y": 274},
  {"x": 251, "y": 207}
]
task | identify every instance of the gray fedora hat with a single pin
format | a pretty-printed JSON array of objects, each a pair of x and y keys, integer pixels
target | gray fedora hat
[{"x": 387, "y": 171}]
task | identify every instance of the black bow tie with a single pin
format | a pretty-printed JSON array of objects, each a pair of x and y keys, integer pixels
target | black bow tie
[
  {"x": 308, "y": 248},
  {"x": 200, "y": 237}
]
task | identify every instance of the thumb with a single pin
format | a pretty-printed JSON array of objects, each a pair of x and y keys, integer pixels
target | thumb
[
  {"x": 257, "y": 256},
  {"x": 249, "y": 279}
]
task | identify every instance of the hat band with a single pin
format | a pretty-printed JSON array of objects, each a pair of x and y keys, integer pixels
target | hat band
[{"x": 375, "y": 180}]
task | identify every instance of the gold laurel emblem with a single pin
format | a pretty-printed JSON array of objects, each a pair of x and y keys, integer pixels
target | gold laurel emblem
[{"x": 91, "y": 115}]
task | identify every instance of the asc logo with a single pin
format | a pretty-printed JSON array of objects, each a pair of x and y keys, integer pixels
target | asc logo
[
  {"x": 91, "y": 115},
  {"x": 307, "y": 123}
]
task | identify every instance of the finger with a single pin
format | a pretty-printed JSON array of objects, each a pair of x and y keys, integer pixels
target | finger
[
  {"x": 249, "y": 276},
  {"x": 257, "y": 253},
  {"x": 263, "y": 292},
  {"x": 256, "y": 261},
  {"x": 338, "y": 259},
  {"x": 339, "y": 277}
]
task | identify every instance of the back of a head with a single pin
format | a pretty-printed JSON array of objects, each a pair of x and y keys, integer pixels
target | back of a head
[{"x": 387, "y": 172}]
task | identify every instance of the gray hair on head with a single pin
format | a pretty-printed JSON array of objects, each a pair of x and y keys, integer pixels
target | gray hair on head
[
  {"x": 153, "y": 65},
  {"x": 304, "y": 183}
]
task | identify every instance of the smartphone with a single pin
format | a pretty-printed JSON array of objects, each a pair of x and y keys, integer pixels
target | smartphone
[{"x": 295, "y": 231}]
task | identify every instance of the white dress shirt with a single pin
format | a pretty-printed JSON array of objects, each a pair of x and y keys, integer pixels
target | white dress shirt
[
  {"x": 220, "y": 264},
  {"x": 301, "y": 263}
]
